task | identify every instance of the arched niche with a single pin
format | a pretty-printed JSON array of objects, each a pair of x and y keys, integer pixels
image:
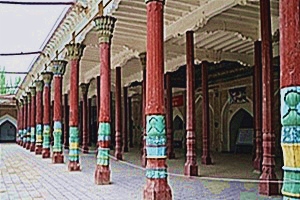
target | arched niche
[{"x": 8, "y": 128}]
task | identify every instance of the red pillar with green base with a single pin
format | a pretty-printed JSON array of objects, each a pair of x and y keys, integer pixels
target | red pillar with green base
[
  {"x": 74, "y": 53},
  {"x": 104, "y": 25},
  {"x": 32, "y": 120},
  {"x": 58, "y": 69},
  {"x": 39, "y": 84},
  {"x": 47, "y": 78},
  {"x": 290, "y": 96},
  {"x": 25, "y": 115},
  {"x": 157, "y": 187}
]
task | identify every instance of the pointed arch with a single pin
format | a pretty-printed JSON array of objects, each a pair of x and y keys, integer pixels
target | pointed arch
[{"x": 9, "y": 118}]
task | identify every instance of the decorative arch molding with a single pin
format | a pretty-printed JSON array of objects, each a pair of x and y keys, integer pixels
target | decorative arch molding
[
  {"x": 210, "y": 106},
  {"x": 9, "y": 118},
  {"x": 228, "y": 111}
]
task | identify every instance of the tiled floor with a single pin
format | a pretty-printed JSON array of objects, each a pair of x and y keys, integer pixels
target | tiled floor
[{"x": 27, "y": 176}]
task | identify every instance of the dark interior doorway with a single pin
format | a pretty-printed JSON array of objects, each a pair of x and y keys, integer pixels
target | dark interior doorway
[
  {"x": 241, "y": 120},
  {"x": 7, "y": 132}
]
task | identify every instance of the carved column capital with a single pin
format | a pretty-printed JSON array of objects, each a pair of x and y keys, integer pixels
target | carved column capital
[
  {"x": 74, "y": 51},
  {"x": 21, "y": 102},
  {"x": 58, "y": 67},
  {"x": 32, "y": 90},
  {"x": 84, "y": 88},
  {"x": 104, "y": 25},
  {"x": 39, "y": 85},
  {"x": 47, "y": 77},
  {"x": 143, "y": 59},
  {"x": 28, "y": 97},
  {"x": 24, "y": 96}
]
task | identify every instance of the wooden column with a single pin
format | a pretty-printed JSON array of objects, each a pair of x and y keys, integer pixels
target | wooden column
[
  {"x": 118, "y": 116},
  {"x": 125, "y": 119},
  {"x": 98, "y": 99},
  {"x": 257, "y": 105},
  {"x": 39, "y": 116},
  {"x": 74, "y": 53},
  {"x": 104, "y": 25},
  {"x": 268, "y": 185},
  {"x": 32, "y": 120},
  {"x": 28, "y": 133},
  {"x": 130, "y": 125},
  {"x": 24, "y": 121},
  {"x": 66, "y": 122},
  {"x": 58, "y": 69},
  {"x": 85, "y": 135},
  {"x": 169, "y": 116},
  {"x": 157, "y": 186},
  {"x": 191, "y": 166},
  {"x": 21, "y": 122},
  {"x": 143, "y": 60},
  {"x": 206, "y": 159},
  {"x": 89, "y": 121},
  {"x": 290, "y": 96},
  {"x": 47, "y": 78}
]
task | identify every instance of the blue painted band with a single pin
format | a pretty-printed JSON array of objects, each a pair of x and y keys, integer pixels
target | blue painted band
[
  {"x": 156, "y": 173},
  {"x": 290, "y": 106},
  {"x": 290, "y": 134},
  {"x": 153, "y": 152},
  {"x": 104, "y": 129},
  {"x": 291, "y": 169},
  {"x": 104, "y": 138},
  {"x": 57, "y": 125}
]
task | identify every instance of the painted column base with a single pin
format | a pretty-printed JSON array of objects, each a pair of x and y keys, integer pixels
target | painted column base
[
  {"x": 38, "y": 149},
  {"x": 73, "y": 166},
  {"x": 57, "y": 157},
  {"x": 102, "y": 175},
  {"x": 32, "y": 147},
  {"x": 190, "y": 169},
  {"x": 21, "y": 143},
  {"x": 157, "y": 189},
  {"x": 206, "y": 160},
  {"x": 85, "y": 149},
  {"x": 46, "y": 153},
  {"x": 266, "y": 185},
  {"x": 144, "y": 160},
  {"x": 24, "y": 144}
]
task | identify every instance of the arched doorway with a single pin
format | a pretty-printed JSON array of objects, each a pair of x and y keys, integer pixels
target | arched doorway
[
  {"x": 7, "y": 132},
  {"x": 240, "y": 120},
  {"x": 179, "y": 131}
]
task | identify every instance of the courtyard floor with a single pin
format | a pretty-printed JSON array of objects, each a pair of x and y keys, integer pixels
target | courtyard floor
[{"x": 24, "y": 175}]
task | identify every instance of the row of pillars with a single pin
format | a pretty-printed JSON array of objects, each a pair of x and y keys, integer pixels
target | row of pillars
[{"x": 154, "y": 136}]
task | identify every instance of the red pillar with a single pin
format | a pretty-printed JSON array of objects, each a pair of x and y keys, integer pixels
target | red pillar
[
  {"x": 74, "y": 53},
  {"x": 257, "y": 106},
  {"x": 105, "y": 27},
  {"x": 191, "y": 166},
  {"x": 24, "y": 121},
  {"x": 39, "y": 116},
  {"x": 32, "y": 120},
  {"x": 143, "y": 60},
  {"x": 21, "y": 104},
  {"x": 58, "y": 69},
  {"x": 28, "y": 121},
  {"x": 66, "y": 122},
  {"x": 47, "y": 78},
  {"x": 267, "y": 186},
  {"x": 169, "y": 116},
  {"x": 85, "y": 135},
  {"x": 130, "y": 125},
  {"x": 290, "y": 93},
  {"x": 125, "y": 119},
  {"x": 18, "y": 121},
  {"x": 157, "y": 186},
  {"x": 206, "y": 159},
  {"x": 118, "y": 116}
]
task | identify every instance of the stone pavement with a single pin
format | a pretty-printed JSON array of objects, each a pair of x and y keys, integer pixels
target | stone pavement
[{"x": 27, "y": 176}]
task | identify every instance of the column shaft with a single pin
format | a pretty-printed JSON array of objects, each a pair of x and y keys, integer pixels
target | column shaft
[
  {"x": 191, "y": 166},
  {"x": 32, "y": 120},
  {"x": 125, "y": 119},
  {"x": 267, "y": 186},
  {"x": 47, "y": 77},
  {"x": 130, "y": 125},
  {"x": 118, "y": 115},
  {"x": 24, "y": 121},
  {"x": 85, "y": 134},
  {"x": 39, "y": 116},
  {"x": 206, "y": 159},
  {"x": 28, "y": 135},
  {"x": 290, "y": 96},
  {"x": 169, "y": 116},
  {"x": 157, "y": 186},
  {"x": 257, "y": 105},
  {"x": 66, "y": 122}
]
